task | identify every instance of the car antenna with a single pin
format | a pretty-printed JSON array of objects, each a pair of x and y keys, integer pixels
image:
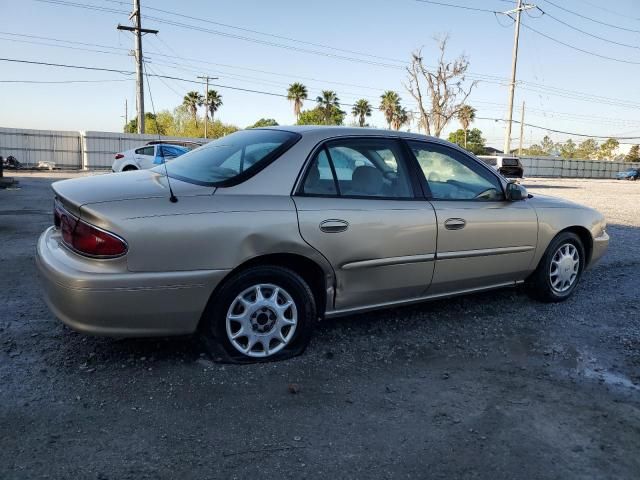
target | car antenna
[{"x": 172, "y": 197}]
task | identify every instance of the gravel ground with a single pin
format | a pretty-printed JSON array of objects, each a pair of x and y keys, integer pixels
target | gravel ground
[{"x": 485, "y": 386}]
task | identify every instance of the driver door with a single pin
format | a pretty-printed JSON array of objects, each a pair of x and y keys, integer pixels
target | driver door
[{"x": 483, "y": 239}]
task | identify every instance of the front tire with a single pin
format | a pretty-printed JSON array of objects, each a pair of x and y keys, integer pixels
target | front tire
[
  {"x": 264, "y": 313},
  {"x": 559, "y": 270}
]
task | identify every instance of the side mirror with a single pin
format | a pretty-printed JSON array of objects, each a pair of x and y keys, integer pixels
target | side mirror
[{"x": 516, "y": 192}]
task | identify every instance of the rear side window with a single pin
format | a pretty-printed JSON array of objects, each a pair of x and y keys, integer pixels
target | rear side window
[
  {"x": 145, "y": 151},
  {"x": 320, "y": 180},
  {"x": 232, "y": 159},
  {"x": 359, "y": 168}
]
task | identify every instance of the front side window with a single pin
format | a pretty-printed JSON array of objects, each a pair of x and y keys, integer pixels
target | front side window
[
  {"x": 451, "y": 175},
  {"x": 173, "y": 151},
  {"x": 232, "y": 158},
  {"x": 359, "y": 168}
]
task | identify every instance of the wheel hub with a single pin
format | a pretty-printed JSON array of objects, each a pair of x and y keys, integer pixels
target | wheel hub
[{"x": 263, "y": 320}]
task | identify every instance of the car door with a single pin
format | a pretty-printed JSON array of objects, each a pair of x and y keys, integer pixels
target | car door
[
  {"x": 357, "y": 204},
  {"x": 145, "y": 156},
  {"x": 483, "y": 239}
]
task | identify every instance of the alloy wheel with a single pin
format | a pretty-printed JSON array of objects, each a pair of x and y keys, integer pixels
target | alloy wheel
[
  {"x": 261, "y": 320},
  {"x": 564, "y": 269}
]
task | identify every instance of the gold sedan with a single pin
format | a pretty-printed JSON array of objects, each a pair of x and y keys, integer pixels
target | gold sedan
[{"x": 252, "y": 238}]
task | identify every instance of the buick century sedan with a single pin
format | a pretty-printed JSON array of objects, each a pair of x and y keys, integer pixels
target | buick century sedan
[{"x": 252, "y": 238}]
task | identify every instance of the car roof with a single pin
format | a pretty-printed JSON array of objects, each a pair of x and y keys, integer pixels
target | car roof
[{"x": 337, "y": 131}]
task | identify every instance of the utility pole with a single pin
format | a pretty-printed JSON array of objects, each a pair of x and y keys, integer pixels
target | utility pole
[
  {"x": 521, "y": 130},
  {"x": 206, "y": 103},
  {"x": 514, "y": 63},
  {"x": 126, "y": 113},
  {"x": 206, "y": 78},
  {"x": 138, "y": 30}
]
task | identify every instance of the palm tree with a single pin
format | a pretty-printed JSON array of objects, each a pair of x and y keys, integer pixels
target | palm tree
[
  {"x": 466, "y": 115},
  {"x": 297, "y": 93},
  {"x": 328, "y": 102},
  {"x": 360, "y": 110},
  {"x": 389, "y": 103},
  {"x": 400, "y": 117},
  {"x": 214, "y": 102},
  {"x": 192, "y": 100}
]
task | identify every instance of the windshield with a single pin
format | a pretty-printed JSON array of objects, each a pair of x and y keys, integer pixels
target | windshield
[{"x": 231, "y": 159}]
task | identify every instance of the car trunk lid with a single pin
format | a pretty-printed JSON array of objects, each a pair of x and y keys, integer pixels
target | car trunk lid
[{"x": 75, "y": 193}]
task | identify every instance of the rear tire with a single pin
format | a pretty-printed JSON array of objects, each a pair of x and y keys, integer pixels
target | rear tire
[
  {"x": 129, "y": 168},
  {"x": 559, "y": 270},
  {"x": 262, "y": 314}
]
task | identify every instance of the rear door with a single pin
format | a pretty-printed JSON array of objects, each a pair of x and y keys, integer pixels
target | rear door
[
  {"x": 483, "y": 239},
  {"x": 145, "y": 156},
  {"x": 358, "y": 206}
]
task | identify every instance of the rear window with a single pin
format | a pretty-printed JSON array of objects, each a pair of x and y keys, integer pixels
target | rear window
[
  {"x": 489, "y": 160},
  {"x": 232, "y": 159},
  {"x": 509, "y": 162}
]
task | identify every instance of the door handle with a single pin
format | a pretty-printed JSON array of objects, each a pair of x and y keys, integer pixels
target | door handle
[
  {"x": 334, "y": 225},
  {"x": 454, "y": 223}
]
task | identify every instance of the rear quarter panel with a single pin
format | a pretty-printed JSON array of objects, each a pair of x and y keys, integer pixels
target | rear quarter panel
[{"x": 202, "y": 232}]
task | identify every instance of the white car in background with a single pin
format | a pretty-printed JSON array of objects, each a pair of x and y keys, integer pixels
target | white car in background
[
  {"x": 146, "y": 157},
  {"x": 507, "y": 166}
]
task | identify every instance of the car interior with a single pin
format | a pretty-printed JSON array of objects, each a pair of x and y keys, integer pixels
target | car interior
[{"x": 361, "y": 170}]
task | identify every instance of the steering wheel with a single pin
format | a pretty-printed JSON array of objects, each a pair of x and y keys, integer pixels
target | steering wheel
[{"x": 484, "y": 192}]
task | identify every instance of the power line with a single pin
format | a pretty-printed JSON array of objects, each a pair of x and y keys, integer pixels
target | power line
[
  {"x": 272, "y": 35},
  {"x": 623, "y": 15},
  {"x": 620, "y": 60},
  {"x": 591, "y": 19},
  {"x": 65, "y": 81},
  {"x": 81, "y": 67},
  {"x": 560, "y": 131},
  {"x": 584, "y": 32},
  {"x": 463, "y": 7},
  {"x": 399, "y": 64},
  {"x": 523, "y": 84},
  {"x": 280, "y": 95},
  {"x": 36, "y": 42},
  {"x": 38, "y": 37}
]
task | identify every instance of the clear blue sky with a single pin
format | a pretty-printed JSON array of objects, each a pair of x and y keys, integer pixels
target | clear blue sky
[{"x": 386, "y": 28}]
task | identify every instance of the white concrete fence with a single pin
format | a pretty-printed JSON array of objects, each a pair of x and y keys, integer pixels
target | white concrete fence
[
  {"x": 559, "y": 168},
  {"x": 96, "y": 150},
  {"x": 69, "y": 149}
]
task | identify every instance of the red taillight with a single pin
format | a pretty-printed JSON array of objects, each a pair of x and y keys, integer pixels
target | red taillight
[
  {"x": 92, "y": 241},
  {"x": 119, "y": 156},
  {"x": 87, "y": 239},
  {"x": 67, "y": 227}
]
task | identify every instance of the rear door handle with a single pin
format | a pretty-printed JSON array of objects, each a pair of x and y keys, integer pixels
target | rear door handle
[
  {"x": 454, "y": 223},
  {"x": 334, "y": 225}
]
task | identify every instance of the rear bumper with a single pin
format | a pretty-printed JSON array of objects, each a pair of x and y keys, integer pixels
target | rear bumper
[
  {"x": 100, "y": 297},
  {"x": 600, "y": 245}
]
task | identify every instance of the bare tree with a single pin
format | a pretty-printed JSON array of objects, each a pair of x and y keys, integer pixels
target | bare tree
[{"x": 440, "y": 92}]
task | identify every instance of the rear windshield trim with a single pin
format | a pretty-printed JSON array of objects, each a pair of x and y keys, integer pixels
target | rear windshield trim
[{"x": 249, "y": 172}]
